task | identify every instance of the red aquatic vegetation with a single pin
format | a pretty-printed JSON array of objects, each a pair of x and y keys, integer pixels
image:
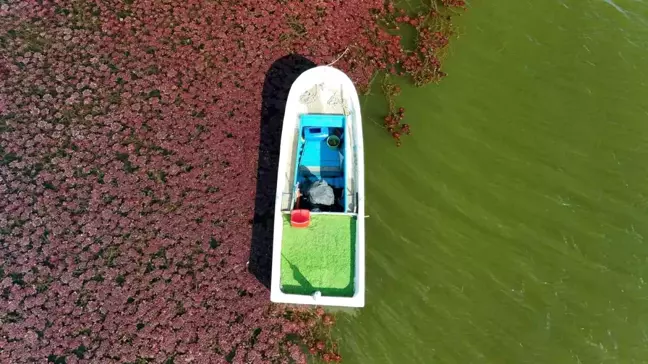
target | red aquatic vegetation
[
  {"x": 454, "y": 3},
  {"x": 421, "y": 63},
  {"x": 128, "y": 152}
]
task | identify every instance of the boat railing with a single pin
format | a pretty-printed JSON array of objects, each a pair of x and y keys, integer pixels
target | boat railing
[{"x": 286, "y": 201}]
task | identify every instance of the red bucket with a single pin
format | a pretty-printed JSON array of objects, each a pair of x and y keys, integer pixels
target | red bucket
[{"x": 300, "y": 218}]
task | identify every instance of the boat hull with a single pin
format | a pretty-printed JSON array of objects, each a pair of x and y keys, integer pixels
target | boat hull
[{"x": 309, "y": 266}]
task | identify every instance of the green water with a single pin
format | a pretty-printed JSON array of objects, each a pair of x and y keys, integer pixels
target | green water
[{"x": 510, "y": 227}]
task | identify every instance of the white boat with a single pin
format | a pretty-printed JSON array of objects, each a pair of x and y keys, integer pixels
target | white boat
[{"x": 318, "y": 253}]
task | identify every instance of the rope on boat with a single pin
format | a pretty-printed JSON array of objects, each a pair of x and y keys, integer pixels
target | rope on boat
[
  {"x": 339, "y": 57},
  {"x": 337, "y": 100},
  {"x": 311, "y": 95}
]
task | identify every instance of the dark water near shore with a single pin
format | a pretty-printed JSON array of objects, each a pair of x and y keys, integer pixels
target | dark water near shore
[{"x": 511, "y": 226}]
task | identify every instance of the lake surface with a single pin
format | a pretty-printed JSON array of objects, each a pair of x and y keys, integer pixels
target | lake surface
[{"x": 512, "y": 226}]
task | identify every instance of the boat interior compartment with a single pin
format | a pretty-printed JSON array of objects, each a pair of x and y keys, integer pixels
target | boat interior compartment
[{"x": 320, "y": 167}]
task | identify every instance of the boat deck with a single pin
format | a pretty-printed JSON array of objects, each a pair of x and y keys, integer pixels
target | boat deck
[{"x": 320, "y": 257}]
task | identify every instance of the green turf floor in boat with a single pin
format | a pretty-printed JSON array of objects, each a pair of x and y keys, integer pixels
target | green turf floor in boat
[{"x": 320, "y": 257}]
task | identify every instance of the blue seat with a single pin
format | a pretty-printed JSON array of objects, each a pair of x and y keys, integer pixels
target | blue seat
[
  {"x": 336, "y": 182},
  {"x": 322, "y": 120},
  {"x": 318, "y": 154}
]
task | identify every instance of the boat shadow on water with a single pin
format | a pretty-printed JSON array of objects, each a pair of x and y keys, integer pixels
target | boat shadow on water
[{"x": 279, "y": 78}]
